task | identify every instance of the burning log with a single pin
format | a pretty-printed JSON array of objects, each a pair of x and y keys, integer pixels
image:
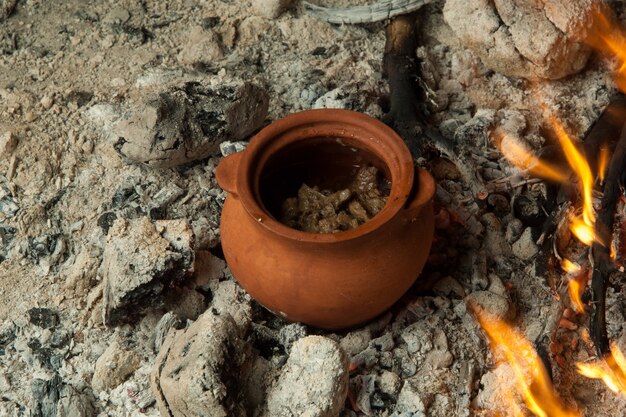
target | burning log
[{"x": 600, "y": 250}]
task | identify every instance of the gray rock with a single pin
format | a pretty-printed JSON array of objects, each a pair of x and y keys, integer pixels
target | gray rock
[
  {"x": 75, "y": 403},
  {"x": 519, "y": 39},
  {"x": 198, "y": 371},
  {"x": 270, "y": 8},
  {"x": 230, "y": 298},
  {"x": 187, "y": 121},
  {"x": 113, "y": 367},
  {"x": 313, "y": 382},
  {"x": 201, "y": 48},
  {"x": 356, "y": 341},
  {"x": 409, "y": 401},
  {"x": 8, "y": 140},
  {"x": 389, "y": 383},
  {"x": 525, "y": 247},
  {"x": 168, "y": 322},
  {"x": 492, "y": 304},
  {"x": 229, "y": 148},
  {"x": 6, "y": 8},
  {"x": 140, "y": 259},
  {"x": 45, "y": 396},
  {"x": 289, "y": 334}
]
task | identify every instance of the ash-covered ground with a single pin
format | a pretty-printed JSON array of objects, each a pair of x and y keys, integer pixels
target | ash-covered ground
[{"x": 114, "y": 296}]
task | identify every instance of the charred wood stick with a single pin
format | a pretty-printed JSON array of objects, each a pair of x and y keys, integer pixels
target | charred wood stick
[
  {"x": 606, "y": 130},
  {"x": 600, "y": 252},
  {"x": 401, "y": 68}
]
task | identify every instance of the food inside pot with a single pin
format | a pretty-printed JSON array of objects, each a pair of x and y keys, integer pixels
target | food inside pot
[{"x": 316, "y": 210}]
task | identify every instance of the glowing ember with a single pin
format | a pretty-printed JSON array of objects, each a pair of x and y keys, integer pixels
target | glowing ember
[
  {"x": 532, "y": 379},
  {"x": 611, "y": 370}
]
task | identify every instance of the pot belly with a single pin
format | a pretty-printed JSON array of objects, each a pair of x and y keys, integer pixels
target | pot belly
[{"x": 327, "y": 285}]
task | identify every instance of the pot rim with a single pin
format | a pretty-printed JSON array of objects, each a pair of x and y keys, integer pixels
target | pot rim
[{"x": 375, "y": 137}]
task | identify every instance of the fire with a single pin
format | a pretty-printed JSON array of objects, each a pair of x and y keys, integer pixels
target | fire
[
  {"x": 611, "y": 370},
  {"x": 521, "y": 156},
  {"x": 582, "y": 230},
  {"x": 606, "y": 36},
  {"x": 569, "y": 266},
  {"x": 531, "y": 377},
  {"x": 581, "y": 168},
  {"x": 603, "y": 162}
]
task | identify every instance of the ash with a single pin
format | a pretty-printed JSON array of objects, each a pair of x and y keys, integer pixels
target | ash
[{"x": 114, "y": 297}]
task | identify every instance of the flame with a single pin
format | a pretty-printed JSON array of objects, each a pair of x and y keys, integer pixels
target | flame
[
  {"x": 521, "y": 156},
  {"x": 606, "y": 36},
  {"x": 531, "y": 377},
  {"x": 583, "y": 231},
  {"x": 611, "y": 370},
  {"x": 569, "y": 266},
  {"x": 581, "y": 168},
  {"x": 603, "y": 162}
]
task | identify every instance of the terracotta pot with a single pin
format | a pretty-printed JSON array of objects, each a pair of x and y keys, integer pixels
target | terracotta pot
[{"x": 335, "y": 280}]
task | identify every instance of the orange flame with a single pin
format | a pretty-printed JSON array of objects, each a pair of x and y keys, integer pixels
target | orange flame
[
  {"x": 532, "y": 379},
  {"x": 603, "y": 162},
  {"x": 581, "y": 168},
  {"x": 522, "y": 157},
  {"x": 606, "y": 36},
  {"x": 569, "y": 266},
  {"x": 611, "y": 370}
]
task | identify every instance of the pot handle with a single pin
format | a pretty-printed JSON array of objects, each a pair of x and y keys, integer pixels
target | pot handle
[
  {"x": 226, "y": 173},
  {"x": 425, "y": 191}
]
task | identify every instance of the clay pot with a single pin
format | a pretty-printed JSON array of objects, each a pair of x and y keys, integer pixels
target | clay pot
[{"x": 334, "y": 280}]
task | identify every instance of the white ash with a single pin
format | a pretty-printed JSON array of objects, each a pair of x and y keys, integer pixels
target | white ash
[{"x": 64, "y": 185}]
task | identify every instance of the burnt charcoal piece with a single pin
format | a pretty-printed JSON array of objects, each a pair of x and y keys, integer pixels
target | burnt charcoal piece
[
  {"x": 46, "y": 396},
  {"x": 529, "y": 211},
  {"x": 106, "y": 220},
  {"x": 188, "y": 121},
  {"x": 43, "y": 317},
  {"x": 140, "y": 260}
]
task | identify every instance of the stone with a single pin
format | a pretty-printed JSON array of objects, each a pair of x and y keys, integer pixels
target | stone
[
  {"x": 73, "y": 402},
  {"x": 289, "y": 334},
  {"x": 113, "y": 367},
  {"x": 409, "y": 401},
  {"x": 492, "y": 304},
  {"x": 523, "y": 38},
  {"x": 141, "y": 258},
  {"x": 45, "y": 396},
  {"x": 198, "y": 371},
  {"x": 6, "y": 8},
  {"x": 270, "y": 8},
  {"x": 356, "y": 341},
  {"x": 201, "y": 49},
  {"x": 43, "y": 317},
  {"x": 525, "y": 247},
  {"x": 448, "y": 286},
  {"x": 313, "y": 382},
  {"x": 186, "y": 121},
  {"x": 229, "y": 148},
  {"x": 230, "y": 298},
  {"x": 389, "y": 383},
  {"x": 168, "y": 322},
  {"x": 8, "y": 143}
]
